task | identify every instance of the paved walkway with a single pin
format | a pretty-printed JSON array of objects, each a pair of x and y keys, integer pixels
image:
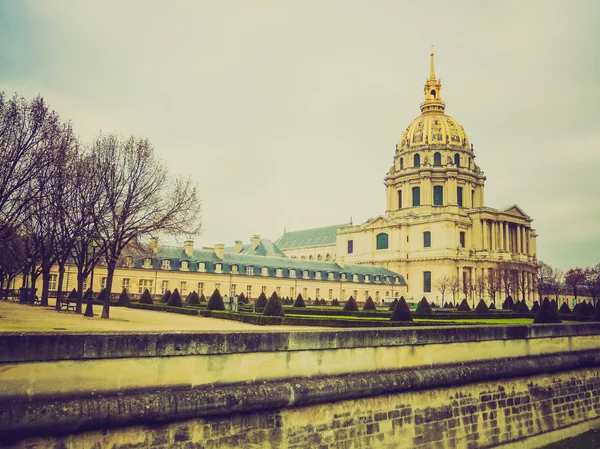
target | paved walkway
[{"x": 21, "y": 317}]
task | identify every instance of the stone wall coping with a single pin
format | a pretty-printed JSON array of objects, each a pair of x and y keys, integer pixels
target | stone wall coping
[{"x": 53, "y": 346}]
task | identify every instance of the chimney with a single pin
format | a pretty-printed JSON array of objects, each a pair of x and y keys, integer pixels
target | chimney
[
  {"x": 255, "y": 241},
  {"x": 340, "y": 261},
  {"x": 220, "y": 250},
  {"x": 188, "y": 248},
  {"x": 154, "y": 244},
  {"x": 238, "y": 246}
]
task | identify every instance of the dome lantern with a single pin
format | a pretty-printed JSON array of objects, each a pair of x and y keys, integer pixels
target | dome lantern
[{"x": 433, "y": 92}]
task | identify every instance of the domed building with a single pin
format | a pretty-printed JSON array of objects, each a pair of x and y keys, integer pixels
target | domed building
[{"x": 436, "y": 229}]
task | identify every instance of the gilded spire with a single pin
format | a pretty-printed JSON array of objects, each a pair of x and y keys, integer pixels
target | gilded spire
[
  {"x": 433, "y": 100},
  {"x": 431, "y": 67}
]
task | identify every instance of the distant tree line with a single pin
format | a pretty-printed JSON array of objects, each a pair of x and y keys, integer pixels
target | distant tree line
[{"x": 65, "y": 202}]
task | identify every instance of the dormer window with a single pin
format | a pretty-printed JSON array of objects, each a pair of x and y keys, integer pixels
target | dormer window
[
  {"x": 386, "y": 280},
  {"x": 355, "y": 277},
  {"x": 234, "y": 269},
  {"x": 293, "y": 274},
  {"x": 304, "y": 274},
  {"x": 147, "y": 263},
  {"x": 250, "y": 271},
  {"x": 166, "y": 264},
  {"x": 377, "y": 279},
  {"x": 202, "y": 266},
  {"x": 218, "y": 268},
  {"x": 396, "y": 280},
  {"x": 330, "y": 276},
  {"x": 128, "y": 261},
  {"x": 367, "y": 278},
  {"x": 317, "y": 275},
  {"x": 279, "y": 272},
  {"x": 264, "y": 271},
  {"x": 343, "y": 275},
  {"x": 185, "y": 265}
]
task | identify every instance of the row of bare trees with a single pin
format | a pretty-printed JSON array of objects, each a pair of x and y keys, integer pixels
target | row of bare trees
[{"x": 64, "y": 202}]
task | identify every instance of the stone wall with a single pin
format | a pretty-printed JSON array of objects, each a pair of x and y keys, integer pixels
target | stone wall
[{"x": 532, "y": 410}]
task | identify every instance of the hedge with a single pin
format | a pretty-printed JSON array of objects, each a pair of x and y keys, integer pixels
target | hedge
[{"x": 164, "y": 308}]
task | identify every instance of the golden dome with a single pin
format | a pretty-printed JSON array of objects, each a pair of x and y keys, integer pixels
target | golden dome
[{"x": 433, "y": 127}]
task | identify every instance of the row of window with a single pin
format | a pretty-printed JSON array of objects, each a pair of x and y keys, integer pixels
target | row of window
[
  {"x": 437, "y": 160},
  {"x": 438, "y": 196},
  {"x": 382, "y": 240}
]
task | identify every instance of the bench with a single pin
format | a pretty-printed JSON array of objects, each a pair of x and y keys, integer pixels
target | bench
[{"x": 68, "y": 304}]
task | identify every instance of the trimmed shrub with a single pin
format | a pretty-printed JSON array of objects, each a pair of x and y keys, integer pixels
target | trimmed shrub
[
  {"x": 88, "y": 294},
  {"x": 564, "y": 308},
  {"x": 535, "y": 307},
  {"x": 73, "y": 294},
  {"x": 124, "y": 298},
  {"x": 516, "y": 305},
  {"x": 424, "y": 307},
  {"x": 351, "y": 305},
  {"x": 584, "y": 310},
  {"x": 482, "y": 307},
  {"x": 193, "y": 299},
  {"x": 101, "y": 295},
  {"x": 323, "y": 302},
  {"x": 242, "y": 298},
  {"x": 335, "y": 302},
  {"x": 146, "y": 298},
  {"x": 369, "y": 304},
  {"x": 166, "y": 297},
  {"x": 393, "y": 305},
  {"x": 448, "y": 305},
  {"x": 299, "y": 301},
  {"x": 508, "y": 303},
  {"x": 175, "y": 299},
  {"x": 273, "y": 307},
  {"x": 596, "y": 316},
  {"x": 522, "y": 307},
  {"x": 546, "y": 314},
  {"x": 401, "y": 312},
  {"x": 261, "y": 302},
  {"x": 216, "y": 301},
  {"x": 554, "y": 304},
  {"x": 591, "y": 307},
  {"x": 202, "y": 298},
  {"x": 464, "y": 306},
  {"x": 492, "y": 306}
]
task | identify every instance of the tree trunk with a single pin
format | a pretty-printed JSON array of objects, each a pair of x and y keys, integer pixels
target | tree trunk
[
  {"x": 80, "y": 279},
  {"x": 45, "y": 287},
  {"x": 109, "y": 280},
  {"x": 61, "y": 278}
]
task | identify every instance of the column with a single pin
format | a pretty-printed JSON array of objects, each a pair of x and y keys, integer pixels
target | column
[
  {"x": 484, "y": 233},
  {"x": 518, "y": 251},
  {"x": 505, "y": 230},
  {"x": 527, "y": 248},
  {"x": 493, "y": 232}
]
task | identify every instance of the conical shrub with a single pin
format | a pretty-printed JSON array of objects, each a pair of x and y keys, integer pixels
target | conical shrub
[
  {"x": 273, "y": 307},
  {"x": 424, "y": 307},
  {"x": 216, "y": 301},
  {"x": 564, "y": 308},
  {"x": 393, "y": 305},
  {"x": 88, "y": 294},
  {"x": 335, "y": 302},
  {"x": 522, "y": 307},
  {"x": 508, "y": 303},
  {"x": 166, "y": 297},
  {"x": 535, "y": 307},
  {"x": 596, "y": 316},
  {"x": 554, "y": 304},
  {"x": 584, "y": 310},
  {"x": 73, "y": 294},
  {"x": 175, "y": 299},
  {"x": 492, "y": 306},
  {"x": 299, "y": 301},
  {"x": 242, "y": 299},
  {"x": 146, "y": 298},
  {"x": 124, "y": 298},
  {"x": 261, "y": 302},
  {"x": 369, "y": 304},
  {"x": 482, "y": 307},
  {"x": 351, "y": 305},
  {"x": 516, "y": 305},
  {"x": 464, "y": 306},
  {"x": 401, "y": 311},
  {"x": 202, "y": 298},
  {"x": 101, "y": 295},
  {"x": 546, "y": 314},
  {"x": 193, "y": 299}
]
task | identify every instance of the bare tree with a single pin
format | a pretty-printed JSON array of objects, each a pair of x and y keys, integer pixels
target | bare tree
[
  {"x": 544, "y": 276},
  {"x": 454, "y": 287},
  {"x": 592, "y": 281},
  {"x": 574, "y": 278},
  {"x": 557, "y": 282},
  {"x": 480, "y": 284},
  {"x": 493, "y": 284},
  {"x": 506, "y": 276},
  {"x": 442, "y": 285},
  {"x": 140, "y": 199}
]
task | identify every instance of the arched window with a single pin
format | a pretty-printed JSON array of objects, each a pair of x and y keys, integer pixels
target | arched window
[
  {"x": 457, "y": 160},
  {"x": 382, "y": 241},
  {"x": 417, "y": 160},
  {"x": 472, "y": 198},
  {"x": 416, "y": 196},
  {"x": 401, "y": 163},
  {"x": 438, "y": 195},
  {"x": 469, "y": 162},
  {"x": 427, "y": 239},
  {"x": 318, "y": 257},
  {"x": 437, "y": 159},
  {"x": 310, "y": 257},
  {"x": 433, "y": 94}
]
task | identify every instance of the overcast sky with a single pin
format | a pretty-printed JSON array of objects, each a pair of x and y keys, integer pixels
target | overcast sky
[{"x": 287, "y": 113}]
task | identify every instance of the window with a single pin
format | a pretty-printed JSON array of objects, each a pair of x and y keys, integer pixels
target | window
[
  {"x": 367, "y": 278},
  {"x": 250, "y": 271},
  {"x": 433, "y": 94},
  {"x": 343, "y": 295},
  {"x": 366, "y": 294},
  {"x": 399, "y": 199},
  {"x": 343, "y": 276},
  {"x": 317, "y": 275},
  {"x": 53, "y": 282},
  {"x": 129, "y": 261},
  {"x": 278, "y": 272},
  {"x": 166, "y": 264},
  {"x": 462, "y": 239},
  {"x": 264, "y": 289},
  {"x": 126, "y": 284},
  {"x": 144, "y": 284},
  {"x": 200, "y": 288},
  {"x": 416, "y": 196},
  {"x": 382, "y": 241},
  {"x": 318, "y": 257},
  {"x": 218, "y": 286},
  {"x": 248, "y": 291},
  {"x": 185, "y": 264},
  {"x": 218, "y": 268},
  {"x": 234, "y": 269},
  {"x": 232, "y": 290},
  {"x": 355, "y": 277},
  {"x": 438, "y": 195},
  {"x": 427, "y": 239},
  {"x": 330, "y": 294},
  {"x": 317, "y": 292},
  {"x": 472, "y": 198},
  {"x": 147, "y": 263},
  {"x": 103, "y": 282},
  {"x": 401, "y": 163},
  {"x": 183, "y": 288},
  {"x": 417, "y": 160},
  {"x": 350, "y": 246},
  {"x": 437, "y": 159},
  {"x": 304, "y": 292},
  {"x": 459, "y": 196},
  {"x": 202, "y": 266},
  {"x": 264, "y": 271},
  {"x": 278, "y": 290},
  {"x": 355, "y": 293},
  {"x": 330, "y": 276},
  {"x": 427, "y": 281},
  {"x": 457, "y": 160},
  {"x": 377, "y": 296},
  {"x": 293, "y": 274},
  {"x": 164, "y": 286},
  {"x": 377, "y": 279},
  {"x": 292, "y": 292},
  {"x": 304, "y": 274}
]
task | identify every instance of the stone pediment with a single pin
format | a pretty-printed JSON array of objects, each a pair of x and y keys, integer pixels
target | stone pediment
[
  {"x": 515, "y": 211},
  {"x": 380, "y": 221}
]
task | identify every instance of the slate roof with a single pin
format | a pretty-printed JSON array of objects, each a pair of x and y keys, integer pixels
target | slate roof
[
  {"x": 309, "y": 237},
  {"x": 210, "y": 260},
  {"x": 265, "y": 247}
]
